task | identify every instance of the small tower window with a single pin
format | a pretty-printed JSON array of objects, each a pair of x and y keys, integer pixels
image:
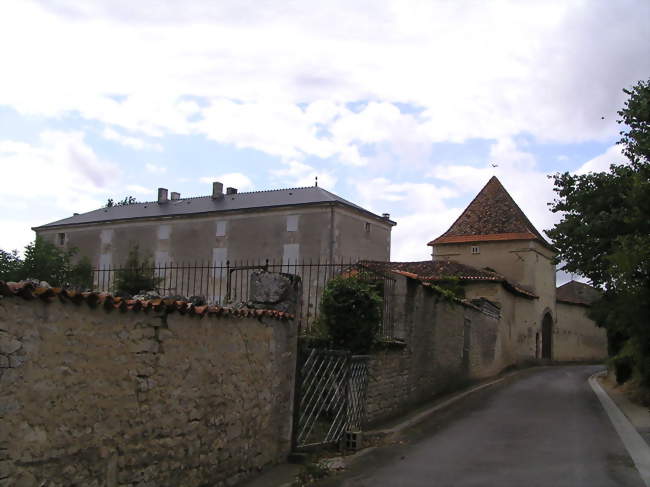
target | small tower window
[
  {"x": 60, "y": 238},
  {"x": 476, "y": 250},
  {"x": 367, "y": 227}
]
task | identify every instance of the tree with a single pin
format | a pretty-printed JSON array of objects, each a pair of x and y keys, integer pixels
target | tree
[
  {"x": 604, "y": 235},
  {"x": 128, "y": 200},
  {"x": 351, "y": 312},
  {"x": 46, "y": 262},
  {"x": 137, "y": 275},
  {"x": 10, "y": 265}
]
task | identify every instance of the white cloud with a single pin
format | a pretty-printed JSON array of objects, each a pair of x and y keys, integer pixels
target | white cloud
[
  {"x": 421, "y": 210},
  {"x": 298, "y": 174},
  {"x": 48, "y": 181},
  {"x": 128, "y": 141},
  {"x": 601, "y": 163},
  {"x": 488, "y": 70},
  {"x": 232, "y": 179},
  {"x": 152, "y": 168},
  {"x": 136, "y": 188}
]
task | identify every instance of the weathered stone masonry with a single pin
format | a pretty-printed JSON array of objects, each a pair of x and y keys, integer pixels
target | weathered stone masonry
[
  {"x": 93, "y": 395},
  {"x": 445, "y": 345}
]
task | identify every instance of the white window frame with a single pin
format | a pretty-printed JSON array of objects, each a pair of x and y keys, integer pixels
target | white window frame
[{"x": 476, "y": 250}]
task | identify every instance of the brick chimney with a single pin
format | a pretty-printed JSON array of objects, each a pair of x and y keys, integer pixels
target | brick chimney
[
  {"x": 231, "y": 190},
  {"x": 176, "y": 196}
]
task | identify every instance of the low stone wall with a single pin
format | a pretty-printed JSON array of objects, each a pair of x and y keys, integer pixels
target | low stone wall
[
  {"x": 97, "y": 396},
  {"x": 446, "y": 345}
]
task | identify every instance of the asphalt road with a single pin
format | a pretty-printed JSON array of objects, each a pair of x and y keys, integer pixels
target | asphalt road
[{"x": 544, "y": 428}]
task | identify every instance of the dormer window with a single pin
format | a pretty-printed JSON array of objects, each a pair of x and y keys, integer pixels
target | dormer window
[{"x": 476, "y": 249}]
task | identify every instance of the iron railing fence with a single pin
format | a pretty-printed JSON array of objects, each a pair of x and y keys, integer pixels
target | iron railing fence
[{"x": 228, "y": 283}]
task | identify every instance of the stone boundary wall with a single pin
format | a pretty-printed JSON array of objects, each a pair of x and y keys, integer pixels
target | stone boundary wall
[
  {"x": 93, "y": 393},
  {"x": 446, "y": 345},
  {"x": 575, "y": 336}
]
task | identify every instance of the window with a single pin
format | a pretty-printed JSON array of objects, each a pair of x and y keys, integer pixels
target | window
[
  {"x": 221, "y": 229},
  {"x": 476, "y": 250},
  {"x": 367, "y": 227},
  {"x": 60, "y": 238},
  {"x": 292, "y": 223}
]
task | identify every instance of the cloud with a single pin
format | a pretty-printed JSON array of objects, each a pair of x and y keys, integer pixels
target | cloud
[
  {"x": 232, "y": 179},
  {"x": 601, "y": 163},
  {"x": 58, "y": 175},
  {"x": 298, "y": 174},
  {"x": 152, "y": 168},
  {"x": 137, "y": 189},
  {"x": 280, "y": 81},
  {"x": 132, "y": 142},
  {"x": 422, "y": 212}
]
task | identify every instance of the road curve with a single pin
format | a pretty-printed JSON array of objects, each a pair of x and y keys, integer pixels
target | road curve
[{"x": 544, "y": 429}]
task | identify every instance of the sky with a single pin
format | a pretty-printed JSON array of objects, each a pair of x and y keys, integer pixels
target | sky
[{"x": 404, "y": 107}]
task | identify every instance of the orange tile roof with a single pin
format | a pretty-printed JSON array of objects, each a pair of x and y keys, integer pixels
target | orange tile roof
[
  {"x": 436, "y": 270},
  {"x": 27, "y": 290},
  {"x": 491, "y": 215}
]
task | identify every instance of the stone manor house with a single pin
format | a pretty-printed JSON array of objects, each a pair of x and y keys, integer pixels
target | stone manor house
[
  {"x": 295, "y": 224},
  {"x": 503, "y": 261}
]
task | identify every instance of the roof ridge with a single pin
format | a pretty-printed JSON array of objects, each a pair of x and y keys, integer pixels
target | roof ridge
[{"x": 225, "y": 194}]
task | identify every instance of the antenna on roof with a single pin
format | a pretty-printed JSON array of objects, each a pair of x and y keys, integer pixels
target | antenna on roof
[{"x": 316, "y": 182}]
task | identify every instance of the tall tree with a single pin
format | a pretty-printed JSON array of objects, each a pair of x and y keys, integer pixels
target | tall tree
[{"x": 604, "y": 233}]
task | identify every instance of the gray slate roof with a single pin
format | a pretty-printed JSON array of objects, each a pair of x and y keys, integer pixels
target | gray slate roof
[{"x": 205, "y": 204}]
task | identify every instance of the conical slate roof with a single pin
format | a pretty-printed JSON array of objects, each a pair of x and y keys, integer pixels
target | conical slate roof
[{"x": 492, "y": 215}]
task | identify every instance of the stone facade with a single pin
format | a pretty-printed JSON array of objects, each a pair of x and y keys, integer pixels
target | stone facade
[
  {"x": 493, "y": 233},
  {"x": 124, "y": 398},
  {"x": 575, "y": 337},
  {"x": 327, "y": 231}
]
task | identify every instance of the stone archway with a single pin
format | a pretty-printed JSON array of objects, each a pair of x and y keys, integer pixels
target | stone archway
[{"x": 547, "y": 337}]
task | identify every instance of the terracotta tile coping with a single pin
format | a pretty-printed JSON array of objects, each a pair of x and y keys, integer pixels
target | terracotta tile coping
[{"x": 29, "y": 291}]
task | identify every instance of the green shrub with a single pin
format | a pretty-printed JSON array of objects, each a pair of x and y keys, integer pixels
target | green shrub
[
  {"x": 81, "y": 275},
  {"x": 45, "y": 261},
  {"x": 10, "y": 266},
  {"x": 137, "y": 275},
  {"x": 351, "y": 312},
  {"x": 624, "y": 362}
]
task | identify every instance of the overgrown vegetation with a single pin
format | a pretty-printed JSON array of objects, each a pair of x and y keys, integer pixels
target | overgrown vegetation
[
  {"x": 138, "y": 274},
  {"x": 604, "y": 235},
  {"x": 448, "y": 288},
  {"x": 45, "y": 261},
  {"x": 128, "y": 200},
  {"x": 351, "y": 312}
]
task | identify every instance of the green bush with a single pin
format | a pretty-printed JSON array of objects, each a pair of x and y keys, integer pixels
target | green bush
[
  {"x": 10, "y": 266},
  {"x": 624, "y": 362},
  {"x": 44, "y": 261},
  {"x": 137, "y": 275},
  {"x": 351, "y": 312}
]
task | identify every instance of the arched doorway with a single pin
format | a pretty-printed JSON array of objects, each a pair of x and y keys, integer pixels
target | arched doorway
[{"x": 547, "y": 337}]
